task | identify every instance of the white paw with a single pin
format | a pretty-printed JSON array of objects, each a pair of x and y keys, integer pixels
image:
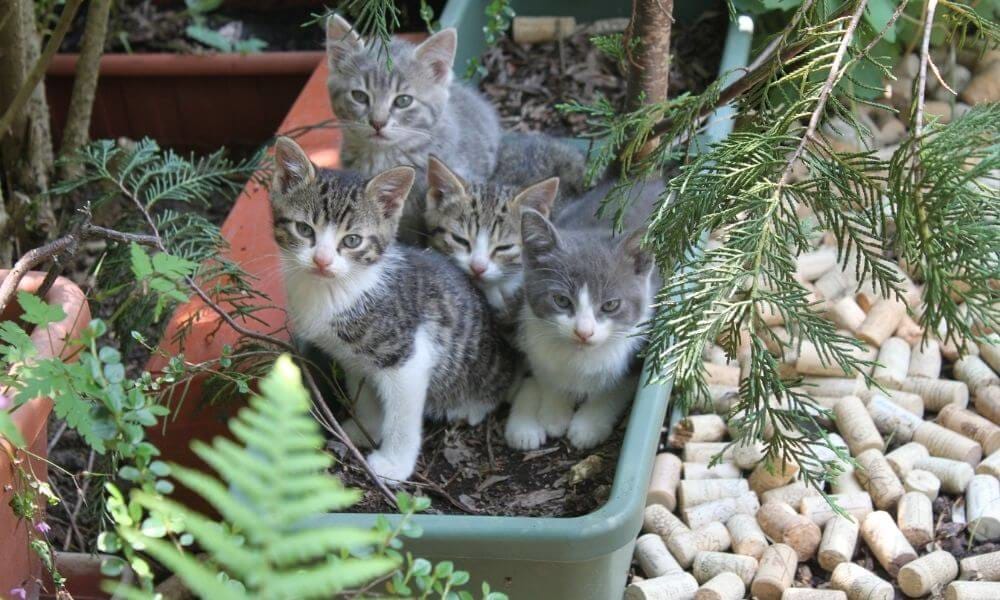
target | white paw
[
  {"x": 587, "y": 430},
  {"x": 473, "y": 414},
  {"x": 355, "y": 434},
  {"x": 555, "y": 417},
  {"x": 391, "y": 472},
  {"x": 524, "y": 434}
]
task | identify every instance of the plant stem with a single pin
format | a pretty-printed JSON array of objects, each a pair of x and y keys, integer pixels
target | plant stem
[{"x": 647, "y": 53}]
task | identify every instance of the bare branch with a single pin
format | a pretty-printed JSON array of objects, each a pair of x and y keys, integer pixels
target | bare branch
[{"x": 925, "y": 53}]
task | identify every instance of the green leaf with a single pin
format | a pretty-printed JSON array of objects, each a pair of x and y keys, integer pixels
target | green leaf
[
  {"x": 18, "y": 346},
  {"x": 108, "y": 541},
  {"x": 878, "y": 13},
  {"x": 209, "y": 37},
  {"x": 9, "y": 430},
  {"x": 37, "y": 311},
  {"x": 112, "y": 566},
  {"x": 142, "y": 265},
  {"x": 153, "y": 527}
]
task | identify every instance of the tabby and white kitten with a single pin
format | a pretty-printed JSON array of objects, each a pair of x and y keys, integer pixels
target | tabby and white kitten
[
  {"x": 587, "y": 297},
  {"x": 405, "y": 319},
  {"x": 399, "y": 115},
  {"x": 478, "y": 226}
]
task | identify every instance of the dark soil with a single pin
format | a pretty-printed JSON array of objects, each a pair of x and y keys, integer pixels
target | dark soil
[
  {"x": 470, "y": 470},
  {"x": 526, "y": 82}
]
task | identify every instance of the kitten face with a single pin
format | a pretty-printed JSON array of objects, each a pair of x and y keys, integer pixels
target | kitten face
[
  {"x": 333, "y": 225},
  {"x": 478, "y": 226},
  {"x": 388, "y": 106},
  {"x": 584, "y": 290}
]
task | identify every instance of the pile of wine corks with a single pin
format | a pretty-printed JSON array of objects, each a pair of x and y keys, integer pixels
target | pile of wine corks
[{"x": 747, "y": 527}]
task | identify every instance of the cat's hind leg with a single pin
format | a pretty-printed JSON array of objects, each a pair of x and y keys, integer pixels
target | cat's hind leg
[
  {"x": 597, "y": 417},
  {"x": 471, "y": 411},
  {"x": 523, "y": 430}
]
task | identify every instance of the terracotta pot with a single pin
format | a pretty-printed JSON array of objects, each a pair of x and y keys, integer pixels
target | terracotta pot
[
  {"x": 20, "y": 566},
  {"x": 187, "y": 102},
  {"x": 83, "y": 576}
]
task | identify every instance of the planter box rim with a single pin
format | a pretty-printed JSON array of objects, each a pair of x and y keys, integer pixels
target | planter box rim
[{"x": 160, "y": 64}]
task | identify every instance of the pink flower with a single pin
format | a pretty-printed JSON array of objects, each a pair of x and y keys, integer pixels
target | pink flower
[
  {"x": 19, "y": 593},
  {"x": 42, "y": 527},
  {"x": 4, "y": 402}
]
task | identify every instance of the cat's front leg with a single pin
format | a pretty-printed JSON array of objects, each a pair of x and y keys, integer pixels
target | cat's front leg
[
  {"x": 403, "y": 392},
  {"x": 524, "y": 431},
  {"x": 367, "y": 412},
  {"x": 597, "y": 417},
  {"x": 555, "y": 409}
]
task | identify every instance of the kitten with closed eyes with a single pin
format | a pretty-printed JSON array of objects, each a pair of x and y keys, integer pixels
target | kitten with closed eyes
[
  {"x": 404, "y": 319},
  {"x": 587, "y": 297},
  {"x": 400, "y": 115},
  {"x": 478, "y": 227}
]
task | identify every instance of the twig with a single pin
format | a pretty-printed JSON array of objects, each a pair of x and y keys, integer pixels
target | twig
[
  {"x": 81, "y": 496},
  {"x": 925, "y": 52},
  {"x": 437, "y": 489},
  {"x": 38, "y": 71},
  {"x": 57, "y": 436}
]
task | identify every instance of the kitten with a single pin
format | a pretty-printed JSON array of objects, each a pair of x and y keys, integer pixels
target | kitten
[
  {"x": 405, "y": 319},
  {"x": 588, "y": 295},
  {"x": 399, "y": 115},
  {"x": 525, "y": 158},
  {"x": 478, "y": 226}
]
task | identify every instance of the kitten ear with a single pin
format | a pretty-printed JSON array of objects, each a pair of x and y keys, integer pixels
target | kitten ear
[
  {"x": 438, "y": 53},
  {"x": 538, "y": 235},
  {"x": 389, "y": 190},
  {"x": 540, "y": 196},
  {"x": 292, "y": 166},
  {"x": 442, "y": 183},
  {"x": 341, "y": 39},
  {"x": 631, "y": 247}
]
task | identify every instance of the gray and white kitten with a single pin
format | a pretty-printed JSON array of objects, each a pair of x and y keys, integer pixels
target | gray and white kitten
[
  {"x": 406, "y": 320},
  {"x": 399, "y": 115},
  {"x": 524, "y": 158},
  {"x": 587, "y": 297},
  {"x": 478, "y": 227}
]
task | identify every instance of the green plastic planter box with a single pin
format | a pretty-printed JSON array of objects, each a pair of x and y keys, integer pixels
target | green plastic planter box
[{"x": 579, "y": 558}]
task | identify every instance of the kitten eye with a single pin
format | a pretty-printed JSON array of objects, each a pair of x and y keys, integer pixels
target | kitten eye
[
  {"x": 461, "y": 240},
  {"x": 352, "y": 241},
  {"x": 561, "y": 301},
  {"x": 359, "y": 96},
  {"x": 304, "y": 229},
  {"x": 503, "y": 248},
  {"x": 611, "y": 305},
  {"x": 402, "y": 101}
]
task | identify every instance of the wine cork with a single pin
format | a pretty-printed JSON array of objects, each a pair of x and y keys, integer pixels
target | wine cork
[
  {"x": 972, "y": 590},
  {"x": 954, "y": 475},
  {"x": 847, "y": 314},
  {"x": 990, "y": 465},
  {"x": 811, "y": 363},
  {"x": 709, "y": 564},
  {"x": 697, "y": 428},
  {"x": 909, "y": 330},
  {"x": 860, "y": 584},
  {"x": 879, "y": 479},
  {"x": 987, "y": 402},
  {"x": 699, "y": 491},
  {"x": 984, "y": 567},
  {"x": 747, "y": 536},
  {"x": 922, "y": 482},
  {"x": 720, "y": 510},
  {"x": 713, "y": 537},
  {"x": 915, "y": 517},
  {"x": 791, "y": 494},
  {"x": 819, "y": 511},
  {"x": 840, "y": 539},
  {"x": 775, "y": 573},
  {"x": 811, "y": 594},
  {"x": 925, "y": 360},
  {"x": 982, "y": 507},
  {"x": 657, "y": 519},
  {"x": 886, "y": 541},
  {"x": 724, "y": 586},
  {"x": 989, "y": 350},
  {"x": 882, "y": 320},
  {"x": 945, "y": 443},
  {"x": 972, "y": 426},
  {"x": 782, "y": 524},
  {"x": 721, "y": 374},
  {"x": 834, "y": 284},
  {"x": 723, "y": 397},
  {"x": 937, "y": 393},
  {"x": 770, "y": 475},
  {"x": 747, "y": 453},
  {"x": 653, "y": 557},
  {"x": 910, "y": 402},
  {"x": 714, "y": 353},
  {"x": 675, "y": 586},
  {"x": 810, "y": 266},
  {"x": 927, "y": 574},
  {"x": 856, "y": 425},
  {"x": 845, "y": 482},
  {"x": 903, "y": 459},
  {"x": 705, "y": 452},
  {"x": 975, "y": 373},
  {"x": 894, "y": 362},
  {"x": 723, "y": 470},
  {"x": 663, "y": 482},
  {"x": 892, "y": 419},
  {"x": 534, "y": 30},
  {"x": 837, "y": 387}
]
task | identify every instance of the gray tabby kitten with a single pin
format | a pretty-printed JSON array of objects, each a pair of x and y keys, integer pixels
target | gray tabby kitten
[
  {"x": 525, "y": 158},
  {"x": 478, "y": 226},
  {"x": 587, "y": 297},
  {"x": 399, "y": 116},
  {"x": 405, "y": 319}
]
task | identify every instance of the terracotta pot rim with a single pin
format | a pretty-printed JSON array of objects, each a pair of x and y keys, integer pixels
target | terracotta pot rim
[{"x": 164, "y": 64}]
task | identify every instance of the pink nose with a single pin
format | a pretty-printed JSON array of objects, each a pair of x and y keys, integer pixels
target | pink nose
[
  {"x": 376, "y": 125},
  {"x": 583, "y": 336},
  {"x": 477, "y": 268},
  {"x": 322, "y": 262}
]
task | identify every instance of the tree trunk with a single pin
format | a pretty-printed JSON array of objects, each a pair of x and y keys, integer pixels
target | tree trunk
[
  {"x": 647, "y": 48},
  {"x": 77, "y": 132}
]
